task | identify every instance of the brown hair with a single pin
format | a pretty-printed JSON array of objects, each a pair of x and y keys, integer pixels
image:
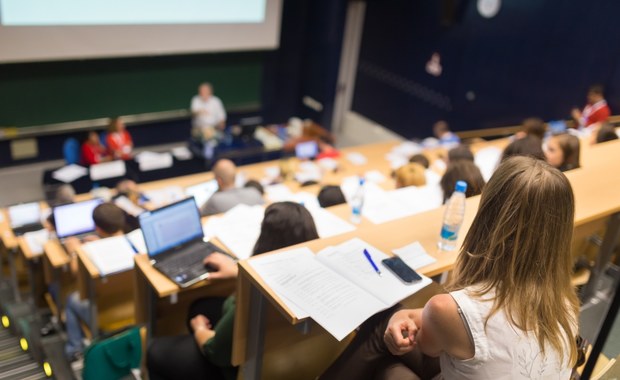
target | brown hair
[
  {"x": 606, "y": 133},
  {"x": 461, "y": 152},
  {"x": 530, "y": 146},
  {"x": 420, "y": 159},
  {"x": 462, "y": 170},
  {"x": 109, "y": 218},
  {"x": 534, "y": 126},
  {"x": 519, "y": 246},
  {"x": 569, "y": 145},
  {"x": 410, "y": 175}
]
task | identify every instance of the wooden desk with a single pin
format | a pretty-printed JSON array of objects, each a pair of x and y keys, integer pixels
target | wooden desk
[
  {"x": 162, "y": 305},
  {"x": 57, "y": 274},
  {"x": 35, "y": 274},
  {"x": 10, "y": 247}
]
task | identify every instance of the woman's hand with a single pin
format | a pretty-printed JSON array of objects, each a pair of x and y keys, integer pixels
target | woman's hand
[
  {"x": 222, "y": 266},
  {"x": 400, "y": 334}
]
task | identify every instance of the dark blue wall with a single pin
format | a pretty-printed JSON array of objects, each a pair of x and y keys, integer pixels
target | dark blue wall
[{"x": 535, "y": 58}]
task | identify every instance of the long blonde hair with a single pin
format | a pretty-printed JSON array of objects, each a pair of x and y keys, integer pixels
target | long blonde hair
[{"x": 519, "y": 247}]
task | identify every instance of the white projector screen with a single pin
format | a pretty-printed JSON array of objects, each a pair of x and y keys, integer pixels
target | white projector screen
[{"x": 44, "y": 30}]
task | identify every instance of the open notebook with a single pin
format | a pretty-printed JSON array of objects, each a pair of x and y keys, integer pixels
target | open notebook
[{"x": 337, "y": 287}]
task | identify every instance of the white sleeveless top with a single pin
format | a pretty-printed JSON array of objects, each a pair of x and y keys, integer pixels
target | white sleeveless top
[{"x": 501, "y": 350}]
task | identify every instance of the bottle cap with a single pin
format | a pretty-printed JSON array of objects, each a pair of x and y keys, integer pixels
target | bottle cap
[
  {"x": 461, "y": 186},
  {"x": 362, "y": 181}
]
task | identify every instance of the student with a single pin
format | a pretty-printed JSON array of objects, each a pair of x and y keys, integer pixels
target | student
[
  {"x": 209, "y": 116},
  {"x": 532, "y": 126},
  {"x": 420, "y": 159},
  {"x": 331, "y": 195},
  {"x": 93, "y": 152},
  {"x": 206, "y": 354},
  {"x": 562, "y": 152},
  {"x": 461, "y": 152},
  {"x": 228, "y": 196},
  {"x": 256, "y": 185},
  {"x": 596, "y": 110},
  {"x": 462, "y": 170},
  {"x": 444, "y": 135},
  {"x": 511, "y": 313},
  {"x": 109, "y": 221},
  {"x": 118, "y": 140},
  {"x": 410, "y": 175},
  {"x": 529, "y": 145},
  {"x": 606, "y": 133}
]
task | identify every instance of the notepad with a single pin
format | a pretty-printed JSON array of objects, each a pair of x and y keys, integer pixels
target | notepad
[
  {"x": 336, "y": 287},
  {"x": 136, "y": 238},
  {"x": 110, "y": 255}
]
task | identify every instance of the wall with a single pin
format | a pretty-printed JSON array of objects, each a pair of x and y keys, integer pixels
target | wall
[{"x": 535, "y": 58}]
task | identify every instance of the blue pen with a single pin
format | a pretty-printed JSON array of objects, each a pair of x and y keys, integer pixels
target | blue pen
[
  {"x": 135, "y": 250},
  {"x": 369, "y": 258}
]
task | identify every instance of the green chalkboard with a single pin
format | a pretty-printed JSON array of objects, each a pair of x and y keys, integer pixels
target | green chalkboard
[{"x": 54, "y": 92}]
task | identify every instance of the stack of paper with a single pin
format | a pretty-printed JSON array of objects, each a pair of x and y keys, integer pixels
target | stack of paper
[
  {"x": 69, "y": 173},
  {"x": 167, "y": 195},
  {"x": 238, "y": 229},
  {"x": 107, "y": 170},
  {"x": 152, "y": 161},
  {"x": 338, "y": 287},
  {"x": 36, "y": 240},
  {"x": 110, "y": 255}
]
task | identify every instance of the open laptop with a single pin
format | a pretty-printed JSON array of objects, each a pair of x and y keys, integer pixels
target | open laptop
[
  {"x": 75, "y": 219},
  {"x": 25, "y": 217},
  {"x": 174, "y": 242},
  {"x": 202, "y": 192},
  {"x": 306, "y": 150}
]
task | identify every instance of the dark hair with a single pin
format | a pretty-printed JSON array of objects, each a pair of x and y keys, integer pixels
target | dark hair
[
  {"x": 330, "y": 195},
  {"x": 606, "y": 133},
  {"x": 596, "y": 89},
  {"x": 255, "y": 184},
  {"x": 570, "y": 147},
  {"x": 109, "y": 218},
  {"x": 462, "y": 170},
  {"x": 285, "y": 224},
  {"x": 461, "y": 152},
  {"x": 534, "y": 126},
  {"x": 529, "y": 146},
  {"x": 420, "y": 159}
]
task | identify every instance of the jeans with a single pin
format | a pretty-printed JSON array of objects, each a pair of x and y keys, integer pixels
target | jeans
[{"x": 76, "y": 311}]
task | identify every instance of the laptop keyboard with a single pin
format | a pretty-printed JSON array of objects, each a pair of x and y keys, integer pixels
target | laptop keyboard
[{"x": 190, "y": 262}]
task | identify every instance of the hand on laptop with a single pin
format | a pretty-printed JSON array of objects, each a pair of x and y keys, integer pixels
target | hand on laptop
[{"x": 223, "y": 267}]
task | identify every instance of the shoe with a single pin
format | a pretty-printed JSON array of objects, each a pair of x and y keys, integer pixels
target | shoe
[{"x": 48, "y": 329}]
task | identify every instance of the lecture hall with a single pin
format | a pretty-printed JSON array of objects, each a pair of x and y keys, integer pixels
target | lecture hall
[{"x": 309, "y": 189}]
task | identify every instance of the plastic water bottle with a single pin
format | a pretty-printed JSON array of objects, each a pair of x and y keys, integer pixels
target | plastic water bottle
[
  {"x": 453, "y": 217},
  {"x": 357, "y": 202}
]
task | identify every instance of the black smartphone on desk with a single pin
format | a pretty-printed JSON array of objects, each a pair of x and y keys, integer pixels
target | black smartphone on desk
[{"x": 401, "y": 270}]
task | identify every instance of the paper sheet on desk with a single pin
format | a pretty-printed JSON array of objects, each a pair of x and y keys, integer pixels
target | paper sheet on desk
[
  {"x": 418, "y": 199},
  {"x": 107, "y": 170},
  {"x": 136, "y": 238},
  {"x": 128, "y": 206},
  {"x": 110, "y": 255},
  {"x": 69, "y": 173},
  {"x": 357, "y": 158},
  {"x": 152, "y": 161},
  {"x": 239, "y": 228},
  {"x": 315, "y": 290},
  {"x": 414, "y": 255},
  {"x": 165, "y": 196},
  {"x": 36, "y": 240},
  {"x": 328, "y": 224},
  {"x": 278, "y": 192},
  {"x": 182, "y": 153},
  {"x": 348, "y": 260}
]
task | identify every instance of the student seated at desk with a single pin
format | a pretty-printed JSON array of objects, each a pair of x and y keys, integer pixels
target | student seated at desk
[
  {"x": 462, "y": 170},
  {"x": 420, "y": 159},
  {"x": 460, "y": 152},
  {"x": 206, "y": 354},
  {"x": 93, "y": 152},
  {"x": 109, "y": 221},
  {"x": 562, "y": 152},
  {"x": 606, "y": 132},
  {"x": 534, "y": 127},
  {"x": 330, "y": 195},
  {"x": 527, "y": 146},
  {"x": 118, "y": 140},
  {"x": 410, "y": 175},
  {"x": 511, "y": 313},
  {"x": 228, "y": 195}
]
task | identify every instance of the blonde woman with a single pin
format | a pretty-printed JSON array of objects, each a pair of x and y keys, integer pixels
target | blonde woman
[{"x": 511, "y": 312}]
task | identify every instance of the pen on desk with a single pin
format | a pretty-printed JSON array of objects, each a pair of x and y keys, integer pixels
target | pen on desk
[
  {"x": 369, "y": 258},
  {"x": 135, "y": 250}
]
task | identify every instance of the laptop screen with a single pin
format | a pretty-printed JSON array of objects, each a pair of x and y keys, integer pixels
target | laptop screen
[
  {"x": 202, "y": 192},
  {"x": 305, "y": 150},
  {"x": 171, "y": 226},
  {"x": 75, "y": 218},
  {"x": 24, "y": 214}
]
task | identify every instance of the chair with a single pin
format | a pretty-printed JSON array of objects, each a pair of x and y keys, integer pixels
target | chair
[
  {"x": 115, "y": 356},
  {"x": 71, "y": 151}
]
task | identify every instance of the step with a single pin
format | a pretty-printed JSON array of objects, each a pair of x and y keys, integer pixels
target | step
[
  {"x": 22, "y": 360},
  {"x": 31, "y": 374},
  {"x": 16, "y": 373}
]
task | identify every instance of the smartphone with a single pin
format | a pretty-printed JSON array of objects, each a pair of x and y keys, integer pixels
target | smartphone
[{"x": 401, "y": 270}]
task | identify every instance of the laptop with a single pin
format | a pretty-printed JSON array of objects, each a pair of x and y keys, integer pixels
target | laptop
[
  {"x": 25, "y": 217},
  {"x": 306, "y": 150},
  {"x": 174, "y": 242},
  {"x": 75, "y": 219},
  {"x": 202, "y": 192}
]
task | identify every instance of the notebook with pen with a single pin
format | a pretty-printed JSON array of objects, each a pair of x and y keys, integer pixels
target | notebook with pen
[
  {"x": 25, "y": 217},
  {"x": 75, "y": 219},
  {"x": 175, "y": 242}
]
